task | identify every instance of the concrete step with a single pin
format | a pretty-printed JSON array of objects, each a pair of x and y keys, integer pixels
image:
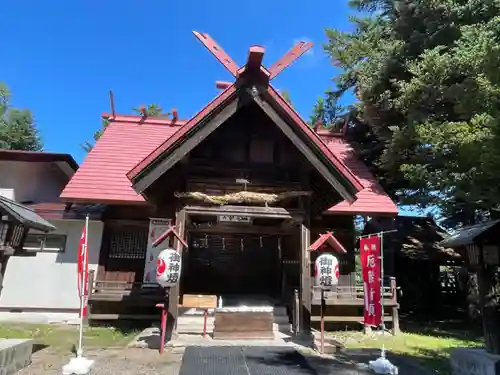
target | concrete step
[
  {"x": 194, "y": 324},
  {"x": 281, "y": 319},
  {"x": 331, "y": 346},
  {"x": 286, "y": 328},
  {"x": 280, "y": 311},
  {"x": 15, "y": 354}
]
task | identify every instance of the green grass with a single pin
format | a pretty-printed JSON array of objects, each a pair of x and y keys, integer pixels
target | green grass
[
  {"x": 430, "y": 351},
  {"x": 62, "y": 338}
]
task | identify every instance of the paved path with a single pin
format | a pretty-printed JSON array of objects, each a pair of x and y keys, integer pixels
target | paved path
[
  {"x": 230, "y": 360},
  {"x": 244, "y": 360},
  {"x": 111, "y": 362}
]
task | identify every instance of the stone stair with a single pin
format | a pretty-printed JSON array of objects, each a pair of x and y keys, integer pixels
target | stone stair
[
  {"x": 281, "y": 320},
  {"x": 193, "y": 324},
  {"x": 15, "y": 354},
  {"x": 331, "y": 345}
]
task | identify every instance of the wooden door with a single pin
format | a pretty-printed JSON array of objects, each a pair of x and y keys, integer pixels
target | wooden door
[{"x": 232, "y": 263}]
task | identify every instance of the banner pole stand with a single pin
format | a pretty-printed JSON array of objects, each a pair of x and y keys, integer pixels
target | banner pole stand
[
  {"x": 322, "y": 321},
  {"x": 382, "y": 323},
  {"x": 382, "y": 365}
]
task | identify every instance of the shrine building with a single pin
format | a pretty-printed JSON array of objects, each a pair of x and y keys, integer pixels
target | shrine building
[{"x": 246, "y": 189}]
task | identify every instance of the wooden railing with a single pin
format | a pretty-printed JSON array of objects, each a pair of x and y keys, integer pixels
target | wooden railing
[
  {"x": 353, "y": 296},
  {"x": 125, "y": 294}
]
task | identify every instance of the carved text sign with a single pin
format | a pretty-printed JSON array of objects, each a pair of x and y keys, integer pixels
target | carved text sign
[{"x": 234, "y": 219}]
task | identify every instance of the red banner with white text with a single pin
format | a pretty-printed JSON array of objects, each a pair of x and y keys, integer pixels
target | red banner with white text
[
  {"x": 83, "y": 268},
  {"x": 370, "y": 263}
]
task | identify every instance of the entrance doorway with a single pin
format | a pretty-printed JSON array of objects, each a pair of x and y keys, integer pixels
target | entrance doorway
[{"x": 242, "y": 268}]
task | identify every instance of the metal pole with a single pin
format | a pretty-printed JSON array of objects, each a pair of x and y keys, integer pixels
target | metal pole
[
  {"x": 381, "y": 236},
  {"x": 79, "y": 351},
  {"x": 322, "y": 327},
  {"x": 378, "y": 233}
]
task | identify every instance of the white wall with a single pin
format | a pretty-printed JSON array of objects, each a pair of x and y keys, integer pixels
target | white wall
[
  {"x": 49, "y": 280},
  {"x": 37, "y": 182}
]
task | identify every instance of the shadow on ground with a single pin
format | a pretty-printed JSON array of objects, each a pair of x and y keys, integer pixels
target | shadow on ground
[{"x": 454, "y": 328}]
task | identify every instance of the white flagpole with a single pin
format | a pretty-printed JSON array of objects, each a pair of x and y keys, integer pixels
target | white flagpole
[
  {"x": 79, "y": 351},
  {"x": 81, "y": 365}
]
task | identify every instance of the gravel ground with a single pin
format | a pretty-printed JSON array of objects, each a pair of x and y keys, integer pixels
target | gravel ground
[{"x": 128, "y": 361}]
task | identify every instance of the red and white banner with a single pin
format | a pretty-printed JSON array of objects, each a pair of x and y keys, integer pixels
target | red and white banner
[
  {"x": 83, "y": 267},
  {"x": 370, "y": 263}
]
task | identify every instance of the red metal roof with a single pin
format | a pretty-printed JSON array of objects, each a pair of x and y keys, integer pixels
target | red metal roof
[
  {"x": 102, "y": 177},
  {"x": 328, "y": 239},
  {"x": 372, "y": 200}
]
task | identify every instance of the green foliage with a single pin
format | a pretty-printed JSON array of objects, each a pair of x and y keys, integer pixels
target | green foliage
[
  {"x": 153, "y": 110},
  {"x": 286, "y": 95},
  {"x": 17, "y": 126},
  {"x": 427, "y": 121},
  {"x": 88, "y": 146}
]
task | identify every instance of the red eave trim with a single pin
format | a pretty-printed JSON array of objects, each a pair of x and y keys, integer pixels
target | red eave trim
[
  {"x": 361, "y": 212},
  {"x": 179, "y": 134},
  {"x": 329, "y": 239},
  {"x": 122, "y": 202},
  {"x": 341, "y": 167}
]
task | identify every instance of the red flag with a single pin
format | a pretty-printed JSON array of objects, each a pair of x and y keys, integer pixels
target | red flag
[
  {"x": 370, "y": 263},
  {"x": 83, "y": 267}
]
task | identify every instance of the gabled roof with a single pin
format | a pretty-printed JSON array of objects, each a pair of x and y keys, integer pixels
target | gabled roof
[
  {"x": 24, "y": 215},
  {"x": 157, "y": 163},
  {"x": 102, "y": 177},
  {"x": 328, "y": 239},
  {"x": 133, "y": 147},
  {"x": 468, "y": 234}
]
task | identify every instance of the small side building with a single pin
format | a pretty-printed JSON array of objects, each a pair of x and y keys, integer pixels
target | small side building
[
  {"x": 40, "y": 280},
  {"x": 426, "y": 270}
]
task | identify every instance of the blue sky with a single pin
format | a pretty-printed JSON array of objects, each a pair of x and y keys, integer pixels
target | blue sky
[{"x": 61, "y": 58}]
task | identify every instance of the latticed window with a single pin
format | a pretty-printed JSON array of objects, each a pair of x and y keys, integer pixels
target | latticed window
[
  {"x": 128, "y": 242},
  {"x": 4, "y": 226}
]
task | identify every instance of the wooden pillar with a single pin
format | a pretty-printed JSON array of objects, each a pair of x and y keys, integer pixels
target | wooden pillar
[
  {"x": 305, "y": 277},
  {"x": 173, "y": 298}
]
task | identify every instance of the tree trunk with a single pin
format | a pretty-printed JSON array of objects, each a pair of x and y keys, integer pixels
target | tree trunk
[{"x": 490, "y": 306}]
